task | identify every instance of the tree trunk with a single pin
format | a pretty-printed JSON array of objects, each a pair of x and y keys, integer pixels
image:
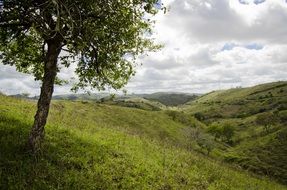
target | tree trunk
[{"x": 50, "y": 72}]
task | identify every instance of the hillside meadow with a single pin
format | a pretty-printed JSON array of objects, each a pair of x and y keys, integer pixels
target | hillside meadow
[
  {"x": 97, "y": 146},
  {"x": 258, "y": 117}
]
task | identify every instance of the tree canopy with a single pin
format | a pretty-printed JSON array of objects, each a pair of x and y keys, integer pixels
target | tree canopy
[{"x": 103, "y": 37}]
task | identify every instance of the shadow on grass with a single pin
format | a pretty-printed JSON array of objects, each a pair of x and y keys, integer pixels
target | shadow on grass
[{"x": 65, "y": 162}]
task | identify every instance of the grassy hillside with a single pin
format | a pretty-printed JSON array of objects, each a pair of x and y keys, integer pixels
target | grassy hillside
[
  {"x": 136, "y": 102},
  {"x": 241, "y": 102},
  {"x": 170, "y": 99},
  {"x": 97, "y": 146},
  {"x": 252, "y": 146}
]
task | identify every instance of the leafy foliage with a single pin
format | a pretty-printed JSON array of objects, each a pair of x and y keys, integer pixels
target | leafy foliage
[
  {"x": 103, "y": 37},
  {"x": 215, "y": 130},
  {"x": 224, "y": 131},
  {"x": 266, "y": 119}
]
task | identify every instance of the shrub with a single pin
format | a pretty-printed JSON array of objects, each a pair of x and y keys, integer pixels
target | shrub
[
  {"x": 205, "y": 143},
  {"x": 180, "y": 117},
  {"x": 215, "y": 130},
  {"x": 199, "y": 116},
  {"x": 267, "y": 120},
  {"x": 195, "y": 137},
  {"x": 225, "y": 132},
  {"x": 283, "y": 116},
  {"x": 191, "y": 135},
  {"x": 228, "y": 132}
]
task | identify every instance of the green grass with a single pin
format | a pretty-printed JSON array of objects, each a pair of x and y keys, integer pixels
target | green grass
[
  {"x": 170, "y": 99},
  {"x": 253, "y": 148},
  {"x": 95, "y": 146},
  {"x": 139, "y": 103},
  {"x": 264, "y": 155},
  {"x": 263, "y": 95}
]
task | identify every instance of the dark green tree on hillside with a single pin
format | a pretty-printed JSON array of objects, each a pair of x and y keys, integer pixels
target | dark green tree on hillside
[
  {"x": 267, "y": 120},
  {"x": 215, "y": 130},
  {"x": 102, "y": 36},
  {"x": 223, "y": 131},
  {"x": 228, "y": 131}
]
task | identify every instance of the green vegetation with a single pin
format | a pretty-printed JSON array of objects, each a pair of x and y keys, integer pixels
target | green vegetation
[
  {"x": 224, "y": 131},
  {"x": 267, "y": 120},
  {"x": 97, "y": 146},
  {"x": 170, "y": 99},
  {"x": 256, "y": 118},
  {"x": 139, "y": 103}
]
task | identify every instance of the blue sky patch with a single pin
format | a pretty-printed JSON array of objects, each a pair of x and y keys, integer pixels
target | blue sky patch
[
  {"x": 254, "y": 46},
  {"x": 158, "y": 4},
  {"x": 259, "y": 1},
  {"x": 230, "y": 46},
  {"x": 255, "y": 2},
  {"x": 244, "y": 2}
]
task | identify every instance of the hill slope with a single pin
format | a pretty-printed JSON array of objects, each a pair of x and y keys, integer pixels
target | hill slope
[
  {"x": 94, "y": 146},
  {"x": 254, "y": 147},
  {"x": 241, "y": 102},
  {"x": 170, "y": 99}
]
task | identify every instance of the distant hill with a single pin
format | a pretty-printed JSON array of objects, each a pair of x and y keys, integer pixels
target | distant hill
[
  {"x": 170, "y": 99},
  {"x": 165, "y": 98},
  {"x": 135, "y": 102}
]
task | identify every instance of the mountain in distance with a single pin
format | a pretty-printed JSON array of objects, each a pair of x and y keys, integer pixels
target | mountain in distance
[
  {"x": 165, "y": 98},
  {"x": 170, "y": 98}
]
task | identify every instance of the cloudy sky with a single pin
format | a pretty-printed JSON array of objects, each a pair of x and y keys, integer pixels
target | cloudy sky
[{"x": 209, "y": 45}]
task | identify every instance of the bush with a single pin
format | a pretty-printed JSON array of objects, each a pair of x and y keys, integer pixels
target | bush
[
  {"x": 180, "y": 117},
  {"x": 199, "y": 116},
  {"x": 282, "y": 107},
  {"x": 225, "y": 132},
  {"x": 267, "y": 120},
  {"x": 228, "y": 132},
  {"x": 205, "y": 143},
  {"x": 195, "y": 137},
  {"x": 215, "y": 130},
  {"x": 283, "y": 116}
]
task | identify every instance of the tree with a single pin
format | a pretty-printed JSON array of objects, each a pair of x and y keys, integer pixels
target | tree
[
  {"x": 267, "y": 120},
  {"x": 228, "y": 132},
  {"x": 215, "y": 130},
  {"x": 191, "y": 135},
  {"x": 205, "y": 142},
  {"x": 199, "y": 116},
  {"x": 102, "y": 36}
]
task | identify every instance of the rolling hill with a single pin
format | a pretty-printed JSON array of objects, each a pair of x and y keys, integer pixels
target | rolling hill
[
  {"x": 254, "y": 146},
  {"x": 91, "y": 145},
  {"x": 170, "y": 98}
]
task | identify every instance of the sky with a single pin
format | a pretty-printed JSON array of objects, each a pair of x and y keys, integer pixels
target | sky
[{"x": 208, "y": 45}]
